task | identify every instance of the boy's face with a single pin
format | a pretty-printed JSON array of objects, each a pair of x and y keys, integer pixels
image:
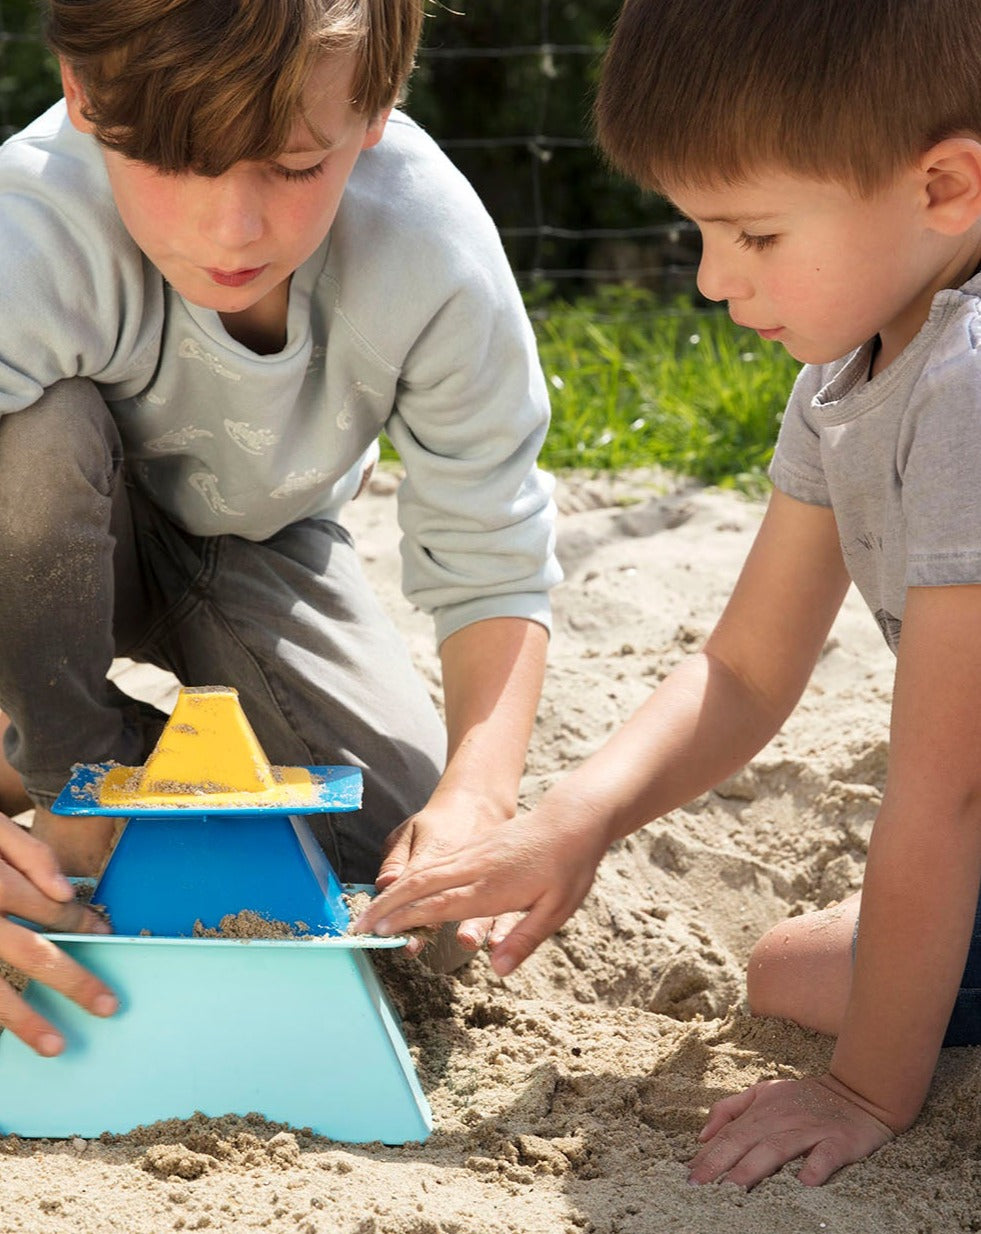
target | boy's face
[
  {"x": 819, "y": 269},
  {"x": 229, "y": 242}
]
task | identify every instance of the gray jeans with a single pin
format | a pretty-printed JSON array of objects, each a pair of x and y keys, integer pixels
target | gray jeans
[{"x": 91, "y": 569}]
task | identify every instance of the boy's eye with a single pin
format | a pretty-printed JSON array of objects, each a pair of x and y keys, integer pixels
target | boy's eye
[
  {"x": 756, "y": 243},
  {"x": 302, "y": 173}
]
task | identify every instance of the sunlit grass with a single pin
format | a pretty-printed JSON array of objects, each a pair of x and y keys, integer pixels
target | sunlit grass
[{"x": 635, "y": 383}]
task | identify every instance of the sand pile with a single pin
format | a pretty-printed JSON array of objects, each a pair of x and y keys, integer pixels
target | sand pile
[{"x": 568, "y": 1097}]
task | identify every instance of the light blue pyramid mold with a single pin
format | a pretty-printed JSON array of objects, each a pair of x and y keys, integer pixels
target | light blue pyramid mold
[{"x": 298, "y": 1030}]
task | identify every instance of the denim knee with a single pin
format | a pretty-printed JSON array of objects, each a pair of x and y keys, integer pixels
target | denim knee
[{"x": 58, "y": 462}]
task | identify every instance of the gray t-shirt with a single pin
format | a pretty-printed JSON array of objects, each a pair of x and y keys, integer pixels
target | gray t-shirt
[
  {"x": 407, "y": 319},
  {"x": 897, "y": 458}
]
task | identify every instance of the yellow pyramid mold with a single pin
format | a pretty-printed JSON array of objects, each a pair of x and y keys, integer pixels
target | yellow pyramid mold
[{"x": 207, "y": 755}]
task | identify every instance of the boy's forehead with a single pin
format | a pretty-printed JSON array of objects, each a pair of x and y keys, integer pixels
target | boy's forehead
[
  {"x": 757, "y": 199},
  {"x": 331, "y": 81},
  {"x": 327, "y": 107}
]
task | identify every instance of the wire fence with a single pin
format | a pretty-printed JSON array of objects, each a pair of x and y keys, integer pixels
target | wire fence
[
  {"x": 515, "y": 117},
  {"x": 559, "y": 239}
]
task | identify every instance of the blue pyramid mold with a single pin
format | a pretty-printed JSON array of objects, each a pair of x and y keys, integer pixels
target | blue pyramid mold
[{"x": 298, "y": 1030}]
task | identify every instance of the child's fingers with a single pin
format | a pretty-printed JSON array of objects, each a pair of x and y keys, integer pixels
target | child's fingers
[
  {"x": 824, "y": 1160},
  {"x": 527, "y": 935},
  {"x": 501, "y": 928},
  {"x": 38, "y": 957},
  {"x": 748, "y": 1163},
  {"x": 34, "y": 860},
  {"x": 472, "y": 933},
  {"x": 751, "y": 1135},
  {"x": 725, "y": 1111},
  {"x": 397, "y": 857},
  {"x": 453, "y": 904},
  {"x": 20, "y": 897},
  {"x": 423, "y": 898}
]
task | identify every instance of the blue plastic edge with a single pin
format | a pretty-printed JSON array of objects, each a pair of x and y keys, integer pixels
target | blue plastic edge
[{"x": 336, "y": 789}]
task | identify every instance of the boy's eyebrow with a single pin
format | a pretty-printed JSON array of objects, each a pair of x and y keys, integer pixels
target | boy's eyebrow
[
  {"x": 322, "y": 148},
  {"x": 733, "y": 220}
]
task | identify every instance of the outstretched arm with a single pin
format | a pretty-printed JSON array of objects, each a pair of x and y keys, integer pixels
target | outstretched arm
[
  {"x": 712, "y": 714},
  {"x": 917, "y": 910}
]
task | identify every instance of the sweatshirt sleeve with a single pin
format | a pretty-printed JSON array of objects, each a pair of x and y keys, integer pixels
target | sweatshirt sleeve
[
  {"x": 76, "y": 295},
  {"x": 471, "y": 405},
  {"x": 471, "y": 416}
]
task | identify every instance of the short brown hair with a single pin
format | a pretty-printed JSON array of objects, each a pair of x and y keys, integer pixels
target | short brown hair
[
  {"x": 708, "y": 91},
  {"x": 198, "y": 85}
]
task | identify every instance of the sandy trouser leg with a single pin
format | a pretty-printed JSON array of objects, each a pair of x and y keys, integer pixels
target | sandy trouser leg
[
  {"x": 322, "y": 673},
  {"x": 92, "y": 569},
  {"x": 60, "y": 506}
]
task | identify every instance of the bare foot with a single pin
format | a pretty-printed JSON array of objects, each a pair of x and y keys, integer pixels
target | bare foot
[{"x": 82, "y": 844}]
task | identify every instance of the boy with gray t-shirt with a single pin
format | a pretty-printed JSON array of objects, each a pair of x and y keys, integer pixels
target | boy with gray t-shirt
[{"x": 830, "y": 155}]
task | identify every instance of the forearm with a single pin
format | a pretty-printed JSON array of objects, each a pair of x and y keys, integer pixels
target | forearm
[
  {"x": 918, "y": 902},
  {"x": 700, "y": 725},
  {"x": 720, "y": 707},
  {"x": 492, "y": 681},
  {"x": 924, "y": 865}
]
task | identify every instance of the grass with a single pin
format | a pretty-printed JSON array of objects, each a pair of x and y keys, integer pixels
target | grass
[{"x": 636, "y": 383}]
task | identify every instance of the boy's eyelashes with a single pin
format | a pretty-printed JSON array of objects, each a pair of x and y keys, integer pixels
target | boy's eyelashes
[
  {"x": 300, "y": 173},
  {"x": 756, "y": 243}
]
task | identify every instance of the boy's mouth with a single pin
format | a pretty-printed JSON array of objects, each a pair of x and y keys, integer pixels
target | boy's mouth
[
  {"x": 771, "y": 333},
  {"x": 234, "y": 278}
]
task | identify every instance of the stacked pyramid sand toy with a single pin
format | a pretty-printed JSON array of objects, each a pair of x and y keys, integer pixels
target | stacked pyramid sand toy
[{"x": 296, "y": 1028}]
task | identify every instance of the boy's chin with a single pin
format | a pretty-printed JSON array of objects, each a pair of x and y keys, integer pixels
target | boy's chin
[
  {"x": 807, "y": 352},
  {"x": 221, "y": 299}
]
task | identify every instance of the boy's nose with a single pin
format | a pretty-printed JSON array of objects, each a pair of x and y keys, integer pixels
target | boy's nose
[
  {"x": 718, "y": 280},
  {"x": 231, "y": 213}
]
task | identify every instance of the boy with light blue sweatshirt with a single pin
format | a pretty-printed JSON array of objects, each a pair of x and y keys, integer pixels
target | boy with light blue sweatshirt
[{"x": 227, "y": 265}]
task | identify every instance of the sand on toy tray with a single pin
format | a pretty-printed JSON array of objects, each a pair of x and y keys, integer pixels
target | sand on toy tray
[{"x": 567, "y": 1098}]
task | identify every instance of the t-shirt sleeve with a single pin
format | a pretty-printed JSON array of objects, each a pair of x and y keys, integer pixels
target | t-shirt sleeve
[
  {"x": 796, "y": 468},
  {"x": 940, "y": 465}
]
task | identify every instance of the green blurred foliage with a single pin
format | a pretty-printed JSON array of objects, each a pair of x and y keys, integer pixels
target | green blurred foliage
[{"x": 28, "y": 76}]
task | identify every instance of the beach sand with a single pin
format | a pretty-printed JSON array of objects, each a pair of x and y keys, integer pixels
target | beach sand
[{"x": 567, "y": 1098}]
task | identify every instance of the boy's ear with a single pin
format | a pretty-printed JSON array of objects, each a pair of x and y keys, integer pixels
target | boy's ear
[
  {"x": 75, "y": 97},
  {"x": 376, "y": 129},
  {"x": 951, "y": 173}
]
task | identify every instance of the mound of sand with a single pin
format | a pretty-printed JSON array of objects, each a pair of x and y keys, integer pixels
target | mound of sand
[{"x": 567, "y": 1098}]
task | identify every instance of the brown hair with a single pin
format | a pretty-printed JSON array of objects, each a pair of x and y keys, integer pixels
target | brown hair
[
  {"x": 708, "y": 91},
  {"x": 198, "y": 85}
]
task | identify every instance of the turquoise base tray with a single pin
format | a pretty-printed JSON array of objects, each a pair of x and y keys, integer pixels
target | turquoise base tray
[{"x": 298, "y": 1031}]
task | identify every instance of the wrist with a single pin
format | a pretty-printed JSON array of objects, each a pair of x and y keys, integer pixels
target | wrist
[
  {"x": 576, "y": 805},
  {"x": 482, "y": 803},
  {"x": 895, "y": 1122}
]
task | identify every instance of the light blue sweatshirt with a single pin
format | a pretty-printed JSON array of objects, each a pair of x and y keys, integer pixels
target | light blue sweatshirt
[{"x": 405, "y": 319}]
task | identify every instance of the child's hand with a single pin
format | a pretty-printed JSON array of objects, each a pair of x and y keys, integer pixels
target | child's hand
[
  {"x": 541, "y": 864},
  {"x": 752, "y": 1134},
  {"x": 33, "y": 888}
]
